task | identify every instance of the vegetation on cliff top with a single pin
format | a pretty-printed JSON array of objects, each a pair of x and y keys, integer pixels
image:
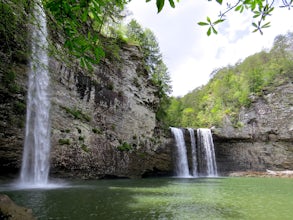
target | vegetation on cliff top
[{"x": 233, "y": 87}]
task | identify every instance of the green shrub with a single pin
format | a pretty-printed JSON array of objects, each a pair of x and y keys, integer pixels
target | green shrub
[
  {"x": 124, "y": 147},
  {"x": 77, "y": 114},
  {"x": 84, "y": 148},
  {"x": 64, "y": 141},
  {"x": 96, "y": 131}
]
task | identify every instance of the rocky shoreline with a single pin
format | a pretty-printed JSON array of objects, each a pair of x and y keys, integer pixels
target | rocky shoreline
[{"x": 268, "y": 173}]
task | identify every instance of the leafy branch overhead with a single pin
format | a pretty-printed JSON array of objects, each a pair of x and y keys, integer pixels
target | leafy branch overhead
[
  {"x": 260, "y": 9},
  {"x": 161, "y": 3},
  {"x": 82, "y": 23}
]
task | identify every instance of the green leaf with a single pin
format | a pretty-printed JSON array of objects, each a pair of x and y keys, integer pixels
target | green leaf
[
  {"x": 219, "y": 21},
  {"x": 160, "y": 5},
  {"x": 84, "y": 16},
  {"x": 270, "y": 10},
  {"x": 172, "y": 3},
  {"x": 209, "y": 31},
  {"x": 214, "y": 30},
  {"x": 238, "y": 8},
  {"x": 256, "y": 14},
  {"x": 255, "y": 25},
  {"x": 209, "y": 20},
  {"x": 266, "y": 25},
  {"x": 202, "y": 23},
  {"x": 82, "y": 62},
  {"x": 220, "y": 1},
  {"x": 99, "y": 53}
]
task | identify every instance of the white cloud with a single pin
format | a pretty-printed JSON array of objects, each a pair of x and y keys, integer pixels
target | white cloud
[{"x": 189, "y": 54}]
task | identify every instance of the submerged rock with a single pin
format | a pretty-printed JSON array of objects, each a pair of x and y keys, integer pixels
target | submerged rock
[{"x": 10, "y": 211}]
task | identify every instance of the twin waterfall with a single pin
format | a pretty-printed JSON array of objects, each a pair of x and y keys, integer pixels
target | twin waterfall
[
  {"x": 202, "y": 160},
  {"x": 35, "y": 162}
]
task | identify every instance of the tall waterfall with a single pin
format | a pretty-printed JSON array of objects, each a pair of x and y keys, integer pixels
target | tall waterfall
[
  {"x": 35, "y": 162},
  {"x": 207, "y": 160},
  {"x": 181, "y": 163},
  {"x": 201, "y": 156}
]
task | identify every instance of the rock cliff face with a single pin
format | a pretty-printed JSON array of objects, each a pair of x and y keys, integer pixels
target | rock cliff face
[
  {"x": 264, "y": 139},
  {"x": 103, "y": 123},
  {"x": 13, "y": 79}
]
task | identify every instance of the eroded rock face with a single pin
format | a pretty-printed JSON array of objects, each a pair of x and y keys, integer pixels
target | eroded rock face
[
  {"x": 264, "y": 139},
  {"x": 13, "y": 79},
  {"x": 104, "y": 123}
]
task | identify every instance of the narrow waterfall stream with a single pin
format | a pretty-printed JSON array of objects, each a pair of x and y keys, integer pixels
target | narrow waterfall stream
[
  {"x": 207, "y": 160},
  {"x": 35, "y": 162},
  {"x": 181, "y": 164},
  {"x": 193, "y": 153},
  {"x": 201, "y": 156}
]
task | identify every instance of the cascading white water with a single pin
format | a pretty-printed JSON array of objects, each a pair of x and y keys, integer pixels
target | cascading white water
[
  {"x": 193, "y": 153},
  {"x": 206, "y": 147},
  {"x": 35, "y": 162},
  {"x": 181, "y": 162}
]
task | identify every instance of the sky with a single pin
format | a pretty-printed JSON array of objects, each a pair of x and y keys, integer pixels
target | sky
[{"x": 189, "y": 53}]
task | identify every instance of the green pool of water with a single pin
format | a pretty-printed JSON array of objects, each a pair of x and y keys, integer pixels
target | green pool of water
[{"x": 162, "y": 198}]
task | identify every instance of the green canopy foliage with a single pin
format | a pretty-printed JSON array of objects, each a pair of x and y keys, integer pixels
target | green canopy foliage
[
  {"x": 260, "y": 10},
  {"x": 82, "y": 24},
  {"x": 232, "y": 87},
  {"x": 13, "y": 18}
]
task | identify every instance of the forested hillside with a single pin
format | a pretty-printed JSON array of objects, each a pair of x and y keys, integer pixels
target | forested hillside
[{"x": 233, "y": 87}]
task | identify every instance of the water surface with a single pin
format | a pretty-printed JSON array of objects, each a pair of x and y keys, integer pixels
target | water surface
[{"x": 164, "y": 198}]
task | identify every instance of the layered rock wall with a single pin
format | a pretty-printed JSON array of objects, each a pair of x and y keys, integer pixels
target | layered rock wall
[
  {"x": 104, "y": 124},
  {"x": 264, "y": 139}
]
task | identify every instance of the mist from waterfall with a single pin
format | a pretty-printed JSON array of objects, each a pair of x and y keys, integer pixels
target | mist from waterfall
[{"x": 35, "y": 162}]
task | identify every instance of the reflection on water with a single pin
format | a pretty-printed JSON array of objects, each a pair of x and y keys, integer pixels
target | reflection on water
[{"x": 166, "y": 198}]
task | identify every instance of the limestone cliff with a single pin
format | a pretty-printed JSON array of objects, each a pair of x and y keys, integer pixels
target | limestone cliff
[
  {"x": 264, "y": 139},
  {"x": 103, "y": 122}
]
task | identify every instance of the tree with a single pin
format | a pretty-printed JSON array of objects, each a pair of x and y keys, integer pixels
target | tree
[
  {"x": 134, "y": 31},
  {"x": 260, "y": 10},
  {"x": 151, "y": 50},
  {"x": 81, "y": 23},
  {"x": 158, "y": 71}
]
